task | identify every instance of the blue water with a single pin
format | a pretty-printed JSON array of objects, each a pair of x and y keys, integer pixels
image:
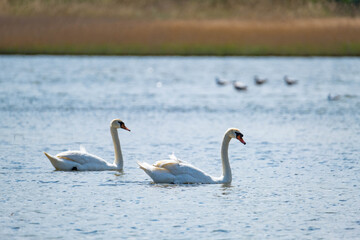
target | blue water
[{"x": 298, "y": 177}]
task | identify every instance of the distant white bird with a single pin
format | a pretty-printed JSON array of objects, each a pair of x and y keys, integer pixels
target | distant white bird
[
  {"x": 333, "y": 98},
  {"x": 259, "y": 81},
  {"x": 177, "y": 172},
  {"x": 289, "y": 81},
  {"x": 83, "y": 161},
  {"x": 239, "y": 86},
  {"x": 221, "y": 81}
]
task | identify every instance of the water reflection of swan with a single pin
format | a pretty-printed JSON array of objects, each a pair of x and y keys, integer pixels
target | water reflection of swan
[
  {"x": 83, "y": 161},
  {"x": 177, "y": 172}
]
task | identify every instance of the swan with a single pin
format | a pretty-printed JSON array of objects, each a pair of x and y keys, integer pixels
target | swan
[
  {"x": 176, "y": 171},
  {"x": 83, "y": 161}
]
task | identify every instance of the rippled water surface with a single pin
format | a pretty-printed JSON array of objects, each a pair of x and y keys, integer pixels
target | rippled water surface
[{"x": 298, "y": 176}]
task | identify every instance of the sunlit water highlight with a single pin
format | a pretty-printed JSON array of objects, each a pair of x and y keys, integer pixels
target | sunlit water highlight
[{"x": 298, "y": 176}]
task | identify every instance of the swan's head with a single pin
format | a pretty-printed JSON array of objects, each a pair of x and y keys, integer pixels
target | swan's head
[
  {"x": 235, "y": 133},
  {"x": 117, "y": 123}
]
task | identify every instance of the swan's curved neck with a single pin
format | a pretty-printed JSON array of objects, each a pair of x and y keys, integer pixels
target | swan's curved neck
[
  {"x": 226, "y": 177},
  {"x": 118, "y": 162}
]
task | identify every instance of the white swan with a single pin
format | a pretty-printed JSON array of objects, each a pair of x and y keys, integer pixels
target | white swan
[
  {"x": 83, "y": 161},
  {"x": 177, "y": 172}
]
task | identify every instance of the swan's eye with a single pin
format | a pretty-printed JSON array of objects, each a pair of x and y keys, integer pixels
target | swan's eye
[{"x": 121, "y": 123}]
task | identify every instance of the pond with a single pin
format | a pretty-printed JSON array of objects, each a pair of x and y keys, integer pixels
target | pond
[{"x": 297, "y": 177}]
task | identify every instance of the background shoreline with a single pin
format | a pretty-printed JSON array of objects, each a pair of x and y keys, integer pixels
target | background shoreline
[
  {"x": 167, "y": 27},
  {"x": 89, "y": 36}
]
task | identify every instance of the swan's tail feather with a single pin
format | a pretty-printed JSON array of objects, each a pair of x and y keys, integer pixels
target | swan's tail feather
[
  {"x": 49, "y": 156},
  {"x": 54, "y": 161},
  {"x": 145, "y": 166},
  {"x": 58, "y": 163},
  {"x": 158, "y": 175}
]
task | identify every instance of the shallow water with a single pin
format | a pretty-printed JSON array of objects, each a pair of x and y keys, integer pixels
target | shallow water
[{"x": 298, "y": 176}]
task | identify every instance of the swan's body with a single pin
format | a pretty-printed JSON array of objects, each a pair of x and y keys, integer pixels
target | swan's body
[
  {"x": 178, "y": 172},
  {"x": 84, "y": 161}
]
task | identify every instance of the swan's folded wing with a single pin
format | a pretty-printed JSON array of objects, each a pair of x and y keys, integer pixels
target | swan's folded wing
[
  {"x": 172, "y": 162},
  {"x": 79, "y": 157},
  {"x": 179, "y": 168},
  {"x": 165, "y": 163},
  {"x": 187, "y": 173}
]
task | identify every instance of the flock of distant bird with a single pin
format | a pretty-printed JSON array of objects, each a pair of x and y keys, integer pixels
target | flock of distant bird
[
  {"x": 258, "y": 81},
  {"x": 240, "y": 86}
]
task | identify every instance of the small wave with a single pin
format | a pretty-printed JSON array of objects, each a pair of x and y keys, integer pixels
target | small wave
[
  {"x": 48, "y": 181},
  {"x": 220, "y": 231},
  {"x": 90, "y": 233}
]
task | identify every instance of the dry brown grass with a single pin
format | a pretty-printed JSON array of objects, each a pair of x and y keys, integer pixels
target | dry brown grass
[
  {"x": 138, "y": 27},
  {"x": 325, "y": 35},
  {"x": 180, "y": 9}
]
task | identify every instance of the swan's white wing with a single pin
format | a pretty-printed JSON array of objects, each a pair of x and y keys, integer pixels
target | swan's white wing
[
  {"x": 169, "y": 162},
  {"x": 163, "y": 163},
  {"x": 81, "y": 157},
  {"x": 173, "y": 160}
]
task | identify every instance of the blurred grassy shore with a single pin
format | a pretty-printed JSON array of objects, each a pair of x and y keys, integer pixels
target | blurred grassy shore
[{"x": 180, "y": 27}]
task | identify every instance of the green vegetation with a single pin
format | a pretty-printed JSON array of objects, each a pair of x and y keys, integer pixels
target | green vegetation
[{"x": 190, "y": 50}]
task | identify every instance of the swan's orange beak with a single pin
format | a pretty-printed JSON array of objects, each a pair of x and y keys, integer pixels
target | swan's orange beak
[
  {"x": 124, "y": 127},
  {"x": 240, "y": 139}
]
